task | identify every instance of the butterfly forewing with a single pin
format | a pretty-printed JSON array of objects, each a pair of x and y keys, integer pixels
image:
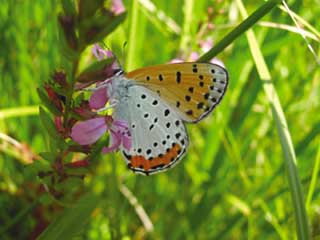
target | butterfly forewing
[
  {"x": 192, "y": 89},
  {"x": 159, "y": 137}
]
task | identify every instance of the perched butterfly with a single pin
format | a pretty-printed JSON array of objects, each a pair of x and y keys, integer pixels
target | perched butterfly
[{"x": 156, "y": 101}]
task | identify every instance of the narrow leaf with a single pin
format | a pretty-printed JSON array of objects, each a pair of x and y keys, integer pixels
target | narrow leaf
[
  {"x": 72, "y": 220},
  {"x": 283, "y": 131}
]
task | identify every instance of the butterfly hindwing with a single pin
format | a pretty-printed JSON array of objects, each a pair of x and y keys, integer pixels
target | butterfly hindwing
[
  {"x": 159, "y": 137},
  {"x": 192, "y": 89}
]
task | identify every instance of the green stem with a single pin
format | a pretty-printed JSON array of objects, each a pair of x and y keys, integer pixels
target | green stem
[
  {"x": 133, "y": 35},
  {"x": 295, "y": 186},
  {"x": 315, "y": 172},
  {"x": 70, "y": 92}
]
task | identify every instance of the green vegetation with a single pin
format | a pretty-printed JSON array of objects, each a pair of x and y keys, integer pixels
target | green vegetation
[{"x": 252, "y": 170}]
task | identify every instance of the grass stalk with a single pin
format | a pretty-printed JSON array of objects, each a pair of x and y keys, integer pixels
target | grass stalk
[{"x": 283, "y": 131}]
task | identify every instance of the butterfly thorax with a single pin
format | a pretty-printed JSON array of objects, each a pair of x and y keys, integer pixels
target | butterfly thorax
[
  {"x": 119, "y": 92},
  {"x": 119, "y": 88}
]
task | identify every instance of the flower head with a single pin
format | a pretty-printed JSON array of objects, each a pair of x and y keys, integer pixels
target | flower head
[
  {"x": 101, "y": 53},
  {"x": 89, "y": 131},
  {"x": 120, "y": 135}
]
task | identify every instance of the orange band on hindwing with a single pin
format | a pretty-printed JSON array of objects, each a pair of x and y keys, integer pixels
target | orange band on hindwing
[{"x": 162, "y": 161}]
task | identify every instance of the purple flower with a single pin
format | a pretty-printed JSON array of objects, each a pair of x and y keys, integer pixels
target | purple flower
[
  {"x": 99, "y": 75},
  {"x": 205, "y": 46},
  {"x": 89, "y": 131},
  {"x": 101, "y": 53},
  {"x": 99, "y": 98},
  {"x": 176, "y": 60},
  {"x": 120, "y": 135},
  {"x": 117, "y": 7}
]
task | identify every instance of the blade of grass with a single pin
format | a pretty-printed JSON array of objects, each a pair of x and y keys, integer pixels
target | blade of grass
[
  {"x": 187, "y": 20},
  {"x": 302, "y": 21},
  {"x": 283, "y": 131},
  {"x": 244, "y": 26},
  {"x": 19, "y": 217},
  {"x": 290, "y": 29},
  {"x": 159, "y": 18},
  {"x": 272, "y": 219},
  {"x": 133, "y": 35},
  {"x": 313, "y": 179},
  {"x": 148, "y": 225},
  {"x": 19, "y": 112},
  {"x": 212, "y": 156}
]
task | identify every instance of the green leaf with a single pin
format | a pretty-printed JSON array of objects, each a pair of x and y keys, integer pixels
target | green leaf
[
  {"x": 37, "y": 166},
  {"x": 97, "y": 28},
  {"x": 72, "y": 220},
  {"x": 95, "y": 72},
  {"x": 68, "y": 7},
  {"x": 96, "y": 151},
  {"x": 49, "y": 125},
  {"x": 48, "y": 103},
  {"x": 51, "y": 157},
  {"x": 87, "y": 8}
]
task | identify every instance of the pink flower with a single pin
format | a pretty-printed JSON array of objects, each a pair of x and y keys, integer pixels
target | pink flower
[
  {"x": 98, "y": 98},
  {"x": 120, "y": 135},
  {"x": 89, "y": 131},
  {"x": 193, "y": 56},
  {"x": 99, "y": 75},
  {"x": 117, "y": 7},
  {"x": 176, "y": 60},
  {"x": 100, "y": 53},
  {"x": 205, "y": 46}
]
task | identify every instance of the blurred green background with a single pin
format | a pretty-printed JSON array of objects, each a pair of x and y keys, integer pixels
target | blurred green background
[{"x": 233, "y": 182}]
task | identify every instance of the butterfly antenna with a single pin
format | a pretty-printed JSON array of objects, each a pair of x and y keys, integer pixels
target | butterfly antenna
[{"x": 124, "y": 52}]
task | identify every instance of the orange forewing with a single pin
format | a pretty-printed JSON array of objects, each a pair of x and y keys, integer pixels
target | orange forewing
[{"x": 193, "y": 89}]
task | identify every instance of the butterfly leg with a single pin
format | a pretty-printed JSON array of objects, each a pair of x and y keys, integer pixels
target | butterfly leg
[{"x": 113, "y": 103}]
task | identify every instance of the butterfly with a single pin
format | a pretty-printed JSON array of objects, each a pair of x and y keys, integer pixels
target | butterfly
[{"x": 157, "y": 101}]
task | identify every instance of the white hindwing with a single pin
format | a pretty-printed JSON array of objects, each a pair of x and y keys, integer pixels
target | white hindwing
[{"x": 159, "y": 137}]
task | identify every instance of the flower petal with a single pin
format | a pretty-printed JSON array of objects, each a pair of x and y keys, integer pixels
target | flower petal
[
  {"x": 217, "y": 61},
  {"x": 193, "y": 56},
  {"x": 206, "y": 45},
  {"x": 96, "y": 52},
  {"x": 88, "y": 132},
  {"x": 117, "y": 7},
  {"x": 120, "y": 124},
  {"x": 176, "y": 60},
  {"x": 115, "y": 141},
  {"x": 127, "y": 142},
  {"x": 100, "y": 53},
  {"x": 98, "y": 99}
]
